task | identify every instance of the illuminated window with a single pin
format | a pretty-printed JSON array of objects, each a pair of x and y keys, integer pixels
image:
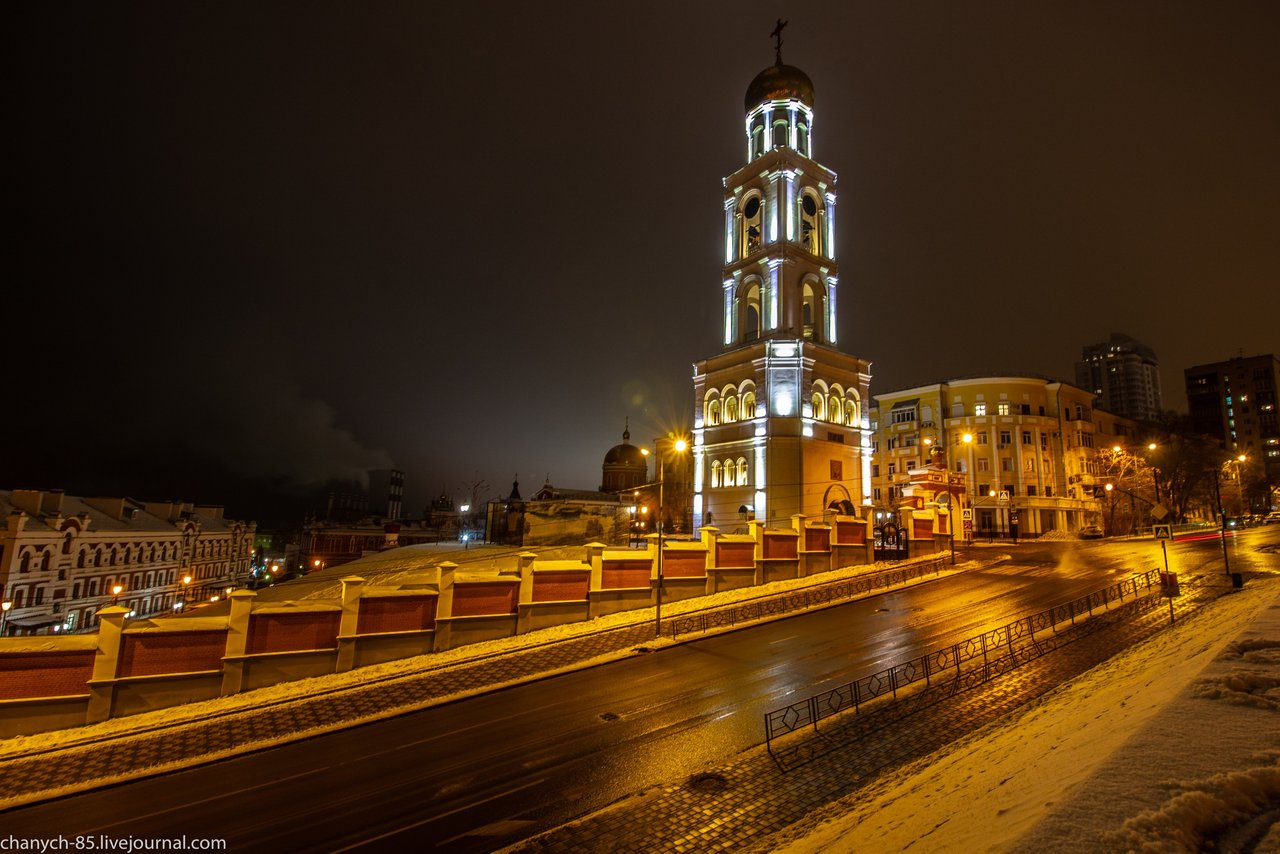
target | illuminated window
[
  {"x": 730, "y": 409},
  {"x": 751, "y": 314},
  {"x": 819, "y": 406},
  {"x": 749, "y": 405},
  {"x": 751, "y": 228},
  {"x": 780, "y": 133},
  {"x": 1002, "y": 409},
  {"x": 713, "y": 412},
  {"x": 802, "y": 138},
  {"x": 810, "y": 227},
  {"x": 811, "y": 311},
  {"x": 715, "y": 473},
  {"x": 833, "y": 409},
  {"x": 742, "y": 472}
]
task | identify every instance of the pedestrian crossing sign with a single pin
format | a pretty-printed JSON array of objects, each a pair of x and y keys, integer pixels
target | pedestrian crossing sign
[{"x": 1162, "y": 532}]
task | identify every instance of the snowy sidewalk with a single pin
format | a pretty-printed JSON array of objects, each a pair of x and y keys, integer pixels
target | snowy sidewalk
[{"x": 1170, "y": 746}]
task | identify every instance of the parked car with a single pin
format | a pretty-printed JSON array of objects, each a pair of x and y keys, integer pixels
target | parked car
[
  {"x": 1273, "y": 516},
  {"x": 1090, "y": 532}
]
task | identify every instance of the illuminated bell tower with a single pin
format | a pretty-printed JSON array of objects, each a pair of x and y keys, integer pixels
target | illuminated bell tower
[{"x": 779, "y": 425}]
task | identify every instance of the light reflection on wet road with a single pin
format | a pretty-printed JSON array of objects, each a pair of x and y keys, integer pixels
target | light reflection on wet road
[{"x": 491, "y": 770}]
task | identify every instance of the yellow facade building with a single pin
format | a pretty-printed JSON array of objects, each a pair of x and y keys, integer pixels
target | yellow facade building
[{"x": 1025, "y": 450}]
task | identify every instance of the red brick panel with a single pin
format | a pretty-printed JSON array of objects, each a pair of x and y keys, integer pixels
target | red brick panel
[
  {"x": 172, "y": 652},
  {"x": 623, "y": 574},
  {"x": 740, "y": 555},
  {"x": 684, "y": 564},
  {"x": 851, "y": 533},
  {"x": 923, "y": 529},
  {"x": 45, "y": 674},
  {"x": 944, "y": 523},
  {"x": 779, "y": 546},
  {"x": 561, "y": 586},
  {"x": 482, "y": 599},
  {"x": 817, "y": 539},
  {"x": 289, "y": 632},
  {"x": 396, "y": 614}
]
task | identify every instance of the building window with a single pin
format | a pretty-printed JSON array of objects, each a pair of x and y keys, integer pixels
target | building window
[
  {"x": 751, "y": 232},
  {"x": 1002, "y": 409},
  {"x": 984, "y": 464},
  {"x": 810, "y": 230},
  {"x": 979, "y": 409},
  {"x": 1026, "y": 437},
  {"x": 751, "y": 315},
  {"x": 1006, "y": 464},
  {"x": 1006, "y": 438},
  {"x": 715, "y": 474},
  {"x": 742, "y": 471},
  {"x": 982, "y": 437},
  {"x": 1031, "y": 492},
  {"x": 902, "y": 416}
]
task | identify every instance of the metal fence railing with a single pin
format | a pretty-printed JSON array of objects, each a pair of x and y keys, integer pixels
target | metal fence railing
[
  {"x": 819, "y": 595},
  {"x": 964, "y": 664}
]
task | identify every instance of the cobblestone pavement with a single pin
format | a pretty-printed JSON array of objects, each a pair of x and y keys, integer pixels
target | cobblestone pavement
[{"x": 745, "y": 803}]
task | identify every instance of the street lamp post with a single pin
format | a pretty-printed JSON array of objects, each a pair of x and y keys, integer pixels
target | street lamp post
[
  {"x": 950, "y": 503},
  {"x": 186, "y": 591},
  {"x": 1222, "y": 519},
  {"x": 116, "y": 590},
  {"x": 4, "y": 615},
  {"x": 679, "y": 446}
]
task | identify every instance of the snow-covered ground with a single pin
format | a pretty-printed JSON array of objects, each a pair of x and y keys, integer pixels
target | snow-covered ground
[{"x": 1172, "y": 746}]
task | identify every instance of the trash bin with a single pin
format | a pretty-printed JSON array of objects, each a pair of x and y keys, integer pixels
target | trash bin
[{"x": 1237, "y": 581}]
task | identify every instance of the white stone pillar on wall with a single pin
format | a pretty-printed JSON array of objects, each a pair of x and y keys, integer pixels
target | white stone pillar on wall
[
  {"x": 348, "y": 625},
  {"x": 106, "y": 663},
  {"x": 233, "y": 663}
]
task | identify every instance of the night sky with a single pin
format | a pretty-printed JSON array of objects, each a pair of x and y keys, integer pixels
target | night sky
[{"x": 267, "y": 244}]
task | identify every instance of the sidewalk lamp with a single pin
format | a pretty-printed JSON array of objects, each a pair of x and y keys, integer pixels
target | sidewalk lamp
[
  {"x": 116, "y": 590},
  {"x": 678, "y": 445},
  {"x": 186, "y": 590},
  {"x": 1222, "y": 517},
  {"x": 4, "y": 615}
]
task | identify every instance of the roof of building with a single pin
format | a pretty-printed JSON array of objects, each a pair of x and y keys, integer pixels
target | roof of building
[
  {"x": 779, "y": 82},
  {"x": 49, "y": 509},
  {"x": 626, "y": 454}
]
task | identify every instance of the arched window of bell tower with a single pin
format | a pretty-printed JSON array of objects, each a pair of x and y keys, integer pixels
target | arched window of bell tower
[
  {"x": 811, "y": 312},
  {"x": 802, "y": 138},
  {"x": 811, "y": 222},
  {"x": 713, "y": 408},
  {"x": 752, "y": 231},
  {"x": 751, "y": 314},
  {"x": 780, "y": 134},
  {"x": 730, "y": 409},
  {"x": 757, "y": 135},
  {"x": 851, "y": 409}
]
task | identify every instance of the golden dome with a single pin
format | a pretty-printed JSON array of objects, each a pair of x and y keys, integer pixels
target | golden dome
[{"x": 779, "y": 83}]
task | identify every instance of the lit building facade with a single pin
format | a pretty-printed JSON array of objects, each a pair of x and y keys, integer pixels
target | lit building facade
[
  {"x": 1124, "y": 376},
  {"x": 61, "y": 556},
  {"x": 1030, "y": 464},
  {"x": 779, "y": 421},
  {"x": 1235, "y": 401}
]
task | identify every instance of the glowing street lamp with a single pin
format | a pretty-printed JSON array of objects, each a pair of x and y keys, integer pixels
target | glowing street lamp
[
  {"x": 116, "y": 590},
  {"x": 186, "y": 590},
  {"x": 4, "y": 614}
]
